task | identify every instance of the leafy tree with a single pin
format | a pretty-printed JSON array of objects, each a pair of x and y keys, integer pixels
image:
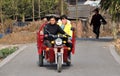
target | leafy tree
[
  {"x": 52, "y": 7},
  {"x": 22, "y": 9},
  {"x": 48, "y": 6},
  {"x": 8, "y": 8},
  {"x": 113, "y": 7}
]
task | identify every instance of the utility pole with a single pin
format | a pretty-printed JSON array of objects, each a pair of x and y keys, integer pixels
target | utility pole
[
  {"x": 76, "y": 14},
  {"x": 39, "y": 7},
  {"x": 33, "y": 10},
  {"x": 76, "y": 10},
  {"x": 62, "y": 7}
]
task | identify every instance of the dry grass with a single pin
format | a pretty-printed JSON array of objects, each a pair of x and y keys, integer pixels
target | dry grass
[
  {"x": 19, "y": 38},
  {"x": 22, "y": 35},
  {"x": 117, "y": 45}
]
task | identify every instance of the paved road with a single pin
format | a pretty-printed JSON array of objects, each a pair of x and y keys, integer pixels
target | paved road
[{"x": 92, "y": 58}]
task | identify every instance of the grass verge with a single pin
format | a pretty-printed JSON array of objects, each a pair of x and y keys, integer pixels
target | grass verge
[{"x": 7, "y": 51}]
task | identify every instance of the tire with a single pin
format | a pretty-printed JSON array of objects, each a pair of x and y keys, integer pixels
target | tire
[
  {"x": 69, "y": 62},
  {"x": 59, "y": 64},
  {"x": 41, "y": 60}
]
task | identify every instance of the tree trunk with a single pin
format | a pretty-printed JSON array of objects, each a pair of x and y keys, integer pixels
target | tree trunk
[
  {"x": 1, "y": 11},
  {"x": 62, "y": 8},
  {"x": 1, "y": 16},
  {"x": 39, "y": 8},
  {"x": 23, "y": 18},
  {"x": 114, "y": 30},
  {"x": 33, "y": 10}
]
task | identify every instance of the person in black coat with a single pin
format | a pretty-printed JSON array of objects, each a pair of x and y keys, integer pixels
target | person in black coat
[
  {"x": 96, "y": 21},
  {"x": 51, "y": 28}
]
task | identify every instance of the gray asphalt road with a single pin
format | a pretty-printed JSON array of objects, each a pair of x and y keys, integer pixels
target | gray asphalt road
[{"x": 92, "y": 58}]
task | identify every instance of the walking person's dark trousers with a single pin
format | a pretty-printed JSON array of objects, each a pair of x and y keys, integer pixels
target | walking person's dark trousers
[{"x": 96, "y": 30}]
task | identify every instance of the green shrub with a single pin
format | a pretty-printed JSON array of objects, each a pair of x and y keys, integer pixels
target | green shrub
[{"x": 7, "y": 51}]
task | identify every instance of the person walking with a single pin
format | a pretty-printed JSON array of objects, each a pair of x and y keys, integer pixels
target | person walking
[{"x": 96, "y": 21}]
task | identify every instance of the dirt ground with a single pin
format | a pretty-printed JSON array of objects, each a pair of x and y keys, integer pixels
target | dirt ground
[
  {"x": 19, "y": 38},
  {"x": 27, "y": 34}
]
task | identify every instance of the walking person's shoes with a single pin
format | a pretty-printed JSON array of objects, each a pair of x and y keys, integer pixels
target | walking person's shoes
[{"x": 97, "y": 37}]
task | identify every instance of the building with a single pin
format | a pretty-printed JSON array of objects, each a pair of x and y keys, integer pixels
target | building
[
  {"x": 84, "y": 8},
  {"x": 73, "y": 2}
]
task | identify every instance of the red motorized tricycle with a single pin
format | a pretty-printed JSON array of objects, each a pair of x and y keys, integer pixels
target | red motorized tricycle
[{"x": 58, "y": 53}]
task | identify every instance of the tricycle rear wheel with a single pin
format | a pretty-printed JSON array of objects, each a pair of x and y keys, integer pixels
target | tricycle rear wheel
[
  {"x": 41, "y": 59},
  {"x": 68, "y": 63}
]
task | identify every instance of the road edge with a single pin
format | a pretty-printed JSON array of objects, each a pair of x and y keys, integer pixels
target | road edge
[
  {"x": 114, "y": 53},
  {"x": 10, "y": 57}
]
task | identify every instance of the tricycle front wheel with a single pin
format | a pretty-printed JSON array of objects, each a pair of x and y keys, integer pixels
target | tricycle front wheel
[{"x": 59, "y": 64}]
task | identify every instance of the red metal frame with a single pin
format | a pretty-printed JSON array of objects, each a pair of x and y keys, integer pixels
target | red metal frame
[
  {"x": 41, "y": 46},
  {"x": 73, "y": 42}
]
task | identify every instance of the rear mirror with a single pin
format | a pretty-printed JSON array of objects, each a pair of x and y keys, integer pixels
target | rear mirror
[{"x": 72, "y": 28}]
